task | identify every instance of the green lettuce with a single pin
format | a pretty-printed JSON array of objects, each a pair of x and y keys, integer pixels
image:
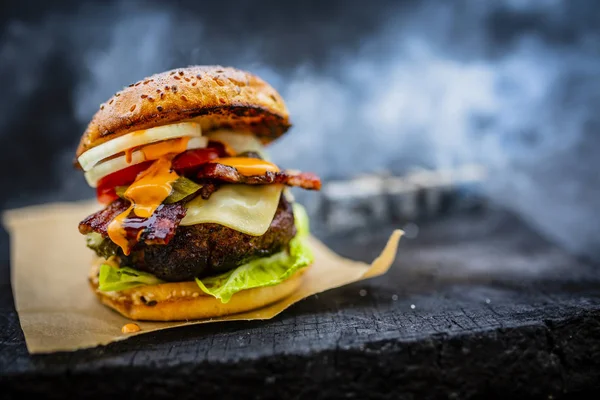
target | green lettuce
[
  {"x": 116, "y": 279},
  {"x": 265, "y": 271},
  {"x": 261, "y": 272}
]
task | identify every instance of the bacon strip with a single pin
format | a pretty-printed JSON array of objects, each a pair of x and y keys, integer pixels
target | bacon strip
[
  {"x": 208, "y": 189},
  {"x": 158, "y": 229},
  {"x": 98, "y": 222},
  {"x": 226, "y": 173}
]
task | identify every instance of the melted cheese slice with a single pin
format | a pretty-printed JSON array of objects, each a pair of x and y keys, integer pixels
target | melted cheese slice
[{"x": 244, "y": 208}]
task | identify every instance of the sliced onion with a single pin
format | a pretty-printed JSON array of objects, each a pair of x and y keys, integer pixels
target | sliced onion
[
  {"x": 134, "y": 139},
  {"x": 239, "y": 142},
  {"x": 118, "y": 163}
]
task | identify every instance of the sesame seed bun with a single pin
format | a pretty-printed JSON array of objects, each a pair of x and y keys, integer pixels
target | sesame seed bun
[
  {"x": 214, "y": 96},
  {"x": 177, "y": 301}
]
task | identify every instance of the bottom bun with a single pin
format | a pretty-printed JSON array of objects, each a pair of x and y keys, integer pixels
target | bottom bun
[{"x": 177, "y": 301}]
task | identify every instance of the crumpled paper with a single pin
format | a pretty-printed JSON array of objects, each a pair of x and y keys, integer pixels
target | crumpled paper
[{"x": 59, "y": 312}]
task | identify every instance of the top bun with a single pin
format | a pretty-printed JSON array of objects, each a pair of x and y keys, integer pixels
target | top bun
[{"x": 214, "y": 96}]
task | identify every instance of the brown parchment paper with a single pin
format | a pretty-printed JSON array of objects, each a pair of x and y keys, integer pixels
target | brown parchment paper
[{"x": 59, "y": 312}]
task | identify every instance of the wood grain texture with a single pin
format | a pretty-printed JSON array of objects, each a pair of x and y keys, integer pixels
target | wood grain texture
[{"x": 497, "y": 312}]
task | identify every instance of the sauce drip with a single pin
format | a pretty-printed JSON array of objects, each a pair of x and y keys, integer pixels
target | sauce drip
[
  {"x": 151, "y": 187},
  {"x": 117, "y": 233},
  {"x": 130, "y": 328},
  {"x": 248, "y": 166},
  {"x": 128, "y": 155},
  {"x": 146, "y": 194}
]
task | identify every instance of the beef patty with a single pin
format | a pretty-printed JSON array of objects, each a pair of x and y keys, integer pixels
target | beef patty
[{"x": 208, "y": 249}]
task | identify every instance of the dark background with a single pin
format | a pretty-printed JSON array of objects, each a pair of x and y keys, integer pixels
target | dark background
[{"x": 371, "y": 86}]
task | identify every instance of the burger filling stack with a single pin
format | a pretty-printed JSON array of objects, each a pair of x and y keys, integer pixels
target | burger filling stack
[{"x": 197, "y": 221}]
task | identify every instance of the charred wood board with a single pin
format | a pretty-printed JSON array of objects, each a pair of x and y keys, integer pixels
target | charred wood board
[{"x": 476, "y": 306}]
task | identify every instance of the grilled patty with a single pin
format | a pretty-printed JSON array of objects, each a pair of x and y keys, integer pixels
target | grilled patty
[{"x": 209, "y": 249}]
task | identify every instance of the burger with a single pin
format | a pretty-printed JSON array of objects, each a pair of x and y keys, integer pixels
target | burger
[{"x": 198, "y": 222}]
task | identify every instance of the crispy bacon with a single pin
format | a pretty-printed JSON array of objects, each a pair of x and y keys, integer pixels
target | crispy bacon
[
  {"x": 158, "y": 229},
  {"x": 98, "y": 222},
  {"x": 220, "y": 172},
  {"x": 207, "y": 189}
]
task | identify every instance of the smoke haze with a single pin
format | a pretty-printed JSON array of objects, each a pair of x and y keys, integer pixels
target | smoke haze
[{"x": 381, "y": 86}]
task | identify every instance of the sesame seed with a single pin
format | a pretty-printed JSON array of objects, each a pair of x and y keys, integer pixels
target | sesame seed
[
  {"x": 102, "y": 107},
  {"x": 150, "y": 99},
  {"x": 117, "y": 94},
  {"x": 183, "y": 98},
  {"x": 195, "y": 294},
  {"x": 412, "y": 306},
  {"x": 138, "y": 84},
  {"x": 132, "y": 108},
  {"x": 144, "y": 96},
  {"x": 174, "y": 293},
  {"x": 172, "y": 73},
  {"x": 176, "y": 77},
  {"x": 146, "y": 82},
  {"x": 187, "y": 79},
  {"x": 159, "y": 108},
  {"x": 181, "y": 73},
  {"x": 162, "y": 95},
  {"x": 199, "y": 77},
  {"x": 194, "y": 83},
  {"x": 222, "y": 101},
  {"x": 111, "y": 101},
  {"x": 183, "y": 292}
]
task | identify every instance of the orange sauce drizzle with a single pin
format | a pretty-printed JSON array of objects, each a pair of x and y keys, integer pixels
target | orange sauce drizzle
[
  {"x": 248, "y": 166},
  {"x": 157, "y": 150},
  {"x": 149, "y": 190},
  {"x": 128, "y": 154},
  {"x": 117, "y": 233},
  {"x": 151, "y": 187}
]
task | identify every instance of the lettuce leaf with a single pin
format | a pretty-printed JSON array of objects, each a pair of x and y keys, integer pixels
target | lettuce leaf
[
  {"x": 112, "y": 279},
  {"x": 261, "y": 272}
]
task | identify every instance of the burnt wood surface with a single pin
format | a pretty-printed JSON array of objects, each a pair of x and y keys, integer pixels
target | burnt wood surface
[{"x": 476, "y": 306}]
